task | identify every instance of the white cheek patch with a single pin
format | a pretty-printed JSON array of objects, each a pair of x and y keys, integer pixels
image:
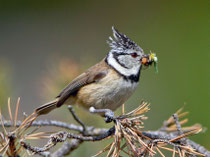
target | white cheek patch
[{"x": 124, "y": 71}]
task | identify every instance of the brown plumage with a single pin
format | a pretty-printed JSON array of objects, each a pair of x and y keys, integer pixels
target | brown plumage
[{"x": 93, "y": 74}]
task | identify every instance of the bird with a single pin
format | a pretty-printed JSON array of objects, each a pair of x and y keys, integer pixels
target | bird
[{"x": 109, "y": 83}]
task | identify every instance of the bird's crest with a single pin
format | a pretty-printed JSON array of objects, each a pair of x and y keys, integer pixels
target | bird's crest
[{"x": 121, "y": 42}]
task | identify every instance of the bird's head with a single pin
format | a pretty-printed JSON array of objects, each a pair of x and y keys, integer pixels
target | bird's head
[{"x": 125, "y": 55}]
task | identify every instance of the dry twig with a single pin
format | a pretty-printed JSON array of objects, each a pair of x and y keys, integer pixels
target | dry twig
[{"x": 128, "y": 134}]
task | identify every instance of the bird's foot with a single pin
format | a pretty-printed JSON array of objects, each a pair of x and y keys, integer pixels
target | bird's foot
[{"x": 109, "y": 114}]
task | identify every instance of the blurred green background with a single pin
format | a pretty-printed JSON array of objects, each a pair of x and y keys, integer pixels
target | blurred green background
[{"x": 45, "y": 44}]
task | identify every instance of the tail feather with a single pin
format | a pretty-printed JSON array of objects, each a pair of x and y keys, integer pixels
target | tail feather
[{"x": 46, "y": 108}]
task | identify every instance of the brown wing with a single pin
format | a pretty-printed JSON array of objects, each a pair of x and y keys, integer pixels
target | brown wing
[{"x": 93, "y": 74}]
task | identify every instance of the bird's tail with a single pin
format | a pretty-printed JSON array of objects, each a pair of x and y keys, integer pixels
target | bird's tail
[{"x": 46, "y": 108}]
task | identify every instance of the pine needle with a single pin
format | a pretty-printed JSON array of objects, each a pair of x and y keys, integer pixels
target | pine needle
[
  {"x": 160, "y": 152},
  {"x": 174, "y": 152},
  {"x": 16, "y": 111},
  {"x": 166, "y": 148},
  {"x": 9, "y": 108},
  {"x": 186, "y": 134},
  {"x": 104, "y": 150}
]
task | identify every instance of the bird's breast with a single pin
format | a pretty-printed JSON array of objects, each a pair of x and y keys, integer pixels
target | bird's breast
[{"x": 110, "y": 92}]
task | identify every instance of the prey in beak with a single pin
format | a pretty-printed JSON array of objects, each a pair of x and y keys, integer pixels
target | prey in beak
[{"x": 149, "y": 59}]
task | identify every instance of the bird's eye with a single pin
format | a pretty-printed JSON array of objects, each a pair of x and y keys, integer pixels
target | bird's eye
[{"x": 134, "y": 54}]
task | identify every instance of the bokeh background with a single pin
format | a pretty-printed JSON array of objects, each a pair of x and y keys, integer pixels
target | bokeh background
[{"x": 45, "y": 44}]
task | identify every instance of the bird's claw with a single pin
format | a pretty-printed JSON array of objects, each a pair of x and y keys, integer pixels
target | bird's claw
[{"x": 109, "y": 114}]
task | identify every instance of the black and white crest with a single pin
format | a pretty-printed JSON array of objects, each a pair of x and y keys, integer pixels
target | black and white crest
[{"x": 121, "y": 42}]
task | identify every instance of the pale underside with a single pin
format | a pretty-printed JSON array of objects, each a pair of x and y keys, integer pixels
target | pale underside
[{"x": 108, "y": 93}]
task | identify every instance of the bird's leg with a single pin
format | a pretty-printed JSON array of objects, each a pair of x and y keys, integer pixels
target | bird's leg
[
  {"x": 109, "y": 114},
  {"x": 77, "y": 119}
]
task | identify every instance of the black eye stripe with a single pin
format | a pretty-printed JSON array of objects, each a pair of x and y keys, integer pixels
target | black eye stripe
[
  {"x": 123, "y": 53},
  {"x": 119, "y": 54}
]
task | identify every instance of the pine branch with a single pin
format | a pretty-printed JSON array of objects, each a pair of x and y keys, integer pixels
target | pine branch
[{"x": 128, "y": 128}]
